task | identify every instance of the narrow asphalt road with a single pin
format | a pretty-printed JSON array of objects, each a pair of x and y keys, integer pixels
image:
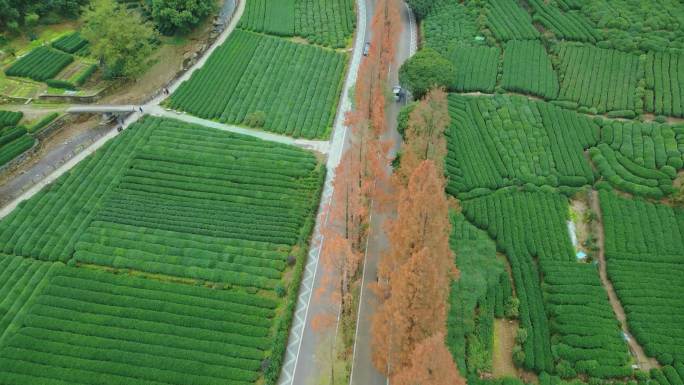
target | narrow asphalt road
[
  {"x": 302, "y": 366},
  {"x": 363, "y": 371}
]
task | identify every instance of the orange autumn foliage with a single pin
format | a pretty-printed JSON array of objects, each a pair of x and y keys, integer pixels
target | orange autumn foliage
[
  {"x": 424, "y": 137},
  {"x": 431, "y": 364}
]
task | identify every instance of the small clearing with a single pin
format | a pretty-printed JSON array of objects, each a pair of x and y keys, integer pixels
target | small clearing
[{"x": 502, "y": 355}]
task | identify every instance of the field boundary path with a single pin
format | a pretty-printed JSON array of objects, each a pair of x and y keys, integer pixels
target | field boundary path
[
  {"x": 363, "y": 372},
  {"x": 302, "y": 341},
  {"x": 642, "y": 360},
  {"x": 59, "y": 171}
]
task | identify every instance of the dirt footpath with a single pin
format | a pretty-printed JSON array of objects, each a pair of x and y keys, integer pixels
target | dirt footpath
[{"x": 644, "y": 362}]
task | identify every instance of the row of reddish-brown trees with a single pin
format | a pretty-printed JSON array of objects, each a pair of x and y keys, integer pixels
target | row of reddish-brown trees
[
  {"x": 415, "y": 274},
  {"x": 362, "y": 168}
]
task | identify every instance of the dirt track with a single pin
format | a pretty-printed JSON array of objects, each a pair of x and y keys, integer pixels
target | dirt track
[{"x": 644, "y": 362}]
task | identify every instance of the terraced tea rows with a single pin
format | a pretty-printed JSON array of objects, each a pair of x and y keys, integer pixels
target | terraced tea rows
[
  {"x": 665, "y": 84},
  {"x": 645, "y": 261},
  {"x": 266, "y": 82},
  {"x": 206, "y": 205},
  {"x": 508, "y": 21},
  {"x": 502, "y": 141},
  {"x": 605, "y": 80},
  {"x": 583, "y": 321},
  {"x": 20, "y": 282},
  {"x": 526, "y": 225},
  {"x": 640, "y": 158},
  {"x": 476, "y": 68},
  {"x": 90, "y": 327},
  {"x": 323, "y": 22},
  {"x": 41, "y": 64},
  {"x": 527, "y": 69}
]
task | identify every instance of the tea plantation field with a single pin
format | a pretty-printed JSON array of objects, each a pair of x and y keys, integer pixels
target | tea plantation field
[
  {"x": 180, "y": 245},
  {"x": 267, "y": 82},
  {"x": 565, "y": 125}
]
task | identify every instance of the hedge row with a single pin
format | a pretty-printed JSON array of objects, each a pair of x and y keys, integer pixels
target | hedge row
[{"x": 21, "y": 279}]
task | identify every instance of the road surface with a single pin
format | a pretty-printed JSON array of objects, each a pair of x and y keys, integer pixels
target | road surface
[
  {"x": 363, "y": 371},
  {"x": 301, "y": 366}
]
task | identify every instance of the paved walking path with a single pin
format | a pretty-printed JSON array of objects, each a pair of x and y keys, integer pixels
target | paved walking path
[{"x": 322, "y": 146}]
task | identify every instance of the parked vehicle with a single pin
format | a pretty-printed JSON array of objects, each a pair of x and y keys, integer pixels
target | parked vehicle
[{"x": 366, "y": 49}]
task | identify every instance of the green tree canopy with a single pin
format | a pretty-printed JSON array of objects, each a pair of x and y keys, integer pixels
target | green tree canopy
[
  {"x": 425, "y": 70},
  {"x": 14, "y": 12},
  {"x": 120, "y": 38},
  {"x": 421, "y": 7},
  {"x": 173, "y": 16}
]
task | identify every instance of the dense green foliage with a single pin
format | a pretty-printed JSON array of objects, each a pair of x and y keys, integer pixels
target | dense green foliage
[
  {"x": 476, "y": 68},
  {"x": 93, "y": 327},
  {"x": 119, "y": 38},
  {"x": 296, "y": 87},
  {"x": 70, "y": 43},
  {"x": 508, "y": 21},
  {"x": 645, "y": 256},
  {"x": 640, "y": 158},
  {"x": 425, "y": 70},
  {"x": 421, "y": 7},
  {"x": 502, "y": 141},
  {"x": 664, "y": 94},
  {"x": 323, "y": 22},
  {"x": 588, "y": 336},
  {"x": 469, "y": 330},
  {"x": 13, "y": 13},
  {"x": 40, "y": 64},
  {"x": 527, "y": 226},
  {"x": 171, "y": 16},
  {"x": 603, "y": 79},
  {"x": 527, "y": 69}
]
